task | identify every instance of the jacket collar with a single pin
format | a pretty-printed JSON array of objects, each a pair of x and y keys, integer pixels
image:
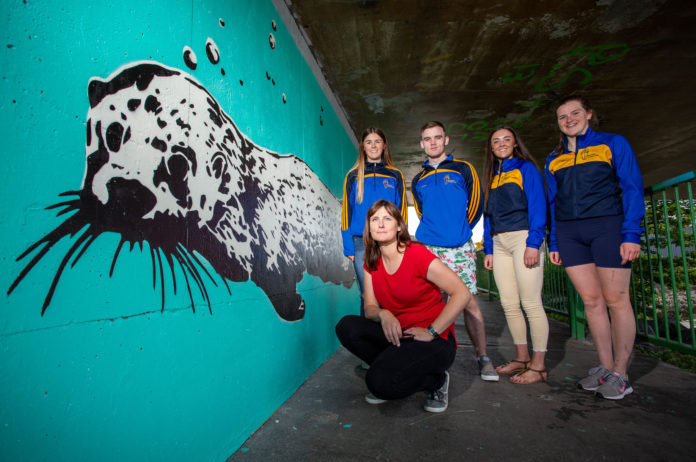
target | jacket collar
[
  {"x": 580, "y": 141},
  {"x": 511, "y": 163},
  {"x": 369, "y": 164},
  {"x": 427, "y": 161}
]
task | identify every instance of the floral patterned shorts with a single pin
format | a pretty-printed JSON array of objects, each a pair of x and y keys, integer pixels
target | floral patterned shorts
[{"x": 461, "y": 260}]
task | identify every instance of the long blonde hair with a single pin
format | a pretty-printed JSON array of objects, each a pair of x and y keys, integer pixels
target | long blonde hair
[{"x": 362, "y": 159}]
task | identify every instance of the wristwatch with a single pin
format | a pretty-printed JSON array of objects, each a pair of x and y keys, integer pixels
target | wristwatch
[{"x": 433, "y": 332}]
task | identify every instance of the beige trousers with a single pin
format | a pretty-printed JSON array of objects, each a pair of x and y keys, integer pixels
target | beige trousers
[{"x": 518, "y": 283}]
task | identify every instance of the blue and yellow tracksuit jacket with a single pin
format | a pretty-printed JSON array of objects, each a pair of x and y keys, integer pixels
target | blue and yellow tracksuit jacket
[
  {"x": 448, "y": 201},
  {"x": 600, "y": 179},
  {"x": 517, "y": 201},
  {"x": 381, "y": 182}
]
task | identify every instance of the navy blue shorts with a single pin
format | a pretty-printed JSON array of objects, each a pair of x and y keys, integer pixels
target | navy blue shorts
[{"x": 591, "y": 240}]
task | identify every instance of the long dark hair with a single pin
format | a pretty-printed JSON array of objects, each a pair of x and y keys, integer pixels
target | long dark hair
[
  {"x": 362, "y": 158},
  {"x": 403, "y": 238},
  {"x": 584, "y": 102},
  {"x": 520, "y": 152}
]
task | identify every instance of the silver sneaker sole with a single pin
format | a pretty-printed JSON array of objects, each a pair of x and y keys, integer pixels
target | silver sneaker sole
[
  {"x": 374, "y": 400},
  {"x": 625, "y": 393},
  {"x": 435, "y": 409}
]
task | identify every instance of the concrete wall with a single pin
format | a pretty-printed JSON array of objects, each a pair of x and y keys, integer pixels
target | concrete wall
[{"x": 190, "y": 278}]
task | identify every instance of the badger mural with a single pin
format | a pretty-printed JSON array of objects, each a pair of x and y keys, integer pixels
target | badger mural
[{"x": 167, "y": 166}]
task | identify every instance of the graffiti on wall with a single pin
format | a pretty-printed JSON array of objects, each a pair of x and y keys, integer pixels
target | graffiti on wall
[
  {"x": 432, "y": 75},
  {"x": 595, "y": 55},
  {"x": 545, "y": 80},
  {"x": 166, "y": 166}
]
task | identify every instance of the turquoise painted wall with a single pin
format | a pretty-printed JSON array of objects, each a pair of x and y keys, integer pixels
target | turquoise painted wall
[{"x": 105, "y": 373}]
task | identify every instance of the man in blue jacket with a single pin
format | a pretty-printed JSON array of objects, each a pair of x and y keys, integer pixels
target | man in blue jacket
[{"x": 448, "y": 199}]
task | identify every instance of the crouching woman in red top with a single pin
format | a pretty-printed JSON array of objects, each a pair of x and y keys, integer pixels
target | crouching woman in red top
[{"x": 409, "y": 342}]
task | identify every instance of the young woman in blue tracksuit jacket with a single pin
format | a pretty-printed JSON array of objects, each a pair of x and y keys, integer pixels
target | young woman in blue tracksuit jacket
[
  {"x": 595, "y": 195},
  {"x": 373, "y": 177},
  {"x": 513, "y": 236}
]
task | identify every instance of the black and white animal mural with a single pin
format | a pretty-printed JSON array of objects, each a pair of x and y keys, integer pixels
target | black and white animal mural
[{"x": 166, "y": 166}]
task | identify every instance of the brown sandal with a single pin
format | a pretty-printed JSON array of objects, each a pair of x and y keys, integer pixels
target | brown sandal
[
  {"x": 541, "y": 376},
  {"x": 512, "y": 371}
]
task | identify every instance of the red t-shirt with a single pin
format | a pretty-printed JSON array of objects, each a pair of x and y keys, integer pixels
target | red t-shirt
[{"x": 407, "y": 293}]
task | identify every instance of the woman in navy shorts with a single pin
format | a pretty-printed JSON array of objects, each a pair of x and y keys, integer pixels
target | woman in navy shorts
[{"x": 595, "y": 194}]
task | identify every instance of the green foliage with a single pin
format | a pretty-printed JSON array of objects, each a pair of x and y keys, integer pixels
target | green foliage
[
  {"x": 669, "y": 227},
  {"x": 683, "y": 361},
  {"x": 558, "y": 317},
  {"x": 663, "y": 232}
]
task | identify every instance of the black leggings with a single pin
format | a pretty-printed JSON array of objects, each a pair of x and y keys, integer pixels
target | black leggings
[{"x": 396, "y": 372}]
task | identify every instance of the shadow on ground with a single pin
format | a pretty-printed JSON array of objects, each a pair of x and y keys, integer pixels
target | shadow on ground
[{"x": 327, "y": 418}]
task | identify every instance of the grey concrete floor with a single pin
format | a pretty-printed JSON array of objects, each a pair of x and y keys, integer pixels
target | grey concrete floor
[{"x": 327, "y": 418}]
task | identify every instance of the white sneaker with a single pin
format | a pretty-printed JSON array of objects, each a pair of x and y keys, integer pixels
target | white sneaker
[
  {"x": 487, "y": 370},
  {"x": 372, "y": 399},
  {"x": 437, "y": 400}
]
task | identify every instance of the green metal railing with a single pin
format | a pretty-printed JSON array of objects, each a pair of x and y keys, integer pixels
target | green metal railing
[{"x": 663, "y": 278}]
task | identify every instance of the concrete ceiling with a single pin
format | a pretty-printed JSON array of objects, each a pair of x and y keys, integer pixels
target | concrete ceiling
[{"x": 476, "y": 64}]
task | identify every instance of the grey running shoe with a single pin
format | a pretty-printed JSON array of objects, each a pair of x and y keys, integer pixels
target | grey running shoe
[
  {"x": 614, "y": 386},
  {"x": 487, "y": 370},
  {"x": 437, "y": 400},
  {"x": 372, "y": 399},
  {"x": 594, "y": 379}
]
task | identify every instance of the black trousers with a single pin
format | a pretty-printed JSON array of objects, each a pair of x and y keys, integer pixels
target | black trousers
[{"x": 396, "y": 372}]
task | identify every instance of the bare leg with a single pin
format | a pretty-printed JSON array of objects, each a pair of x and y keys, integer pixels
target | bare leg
[
  {"x": 615, "y": 288},
  {"x": 537, "y": 362},
  {"x": 473, "y": 321},
  {"x": 586, "y": 280}
]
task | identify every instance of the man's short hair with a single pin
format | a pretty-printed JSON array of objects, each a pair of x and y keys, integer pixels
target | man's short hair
[{"x": 431, "y": 124}]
